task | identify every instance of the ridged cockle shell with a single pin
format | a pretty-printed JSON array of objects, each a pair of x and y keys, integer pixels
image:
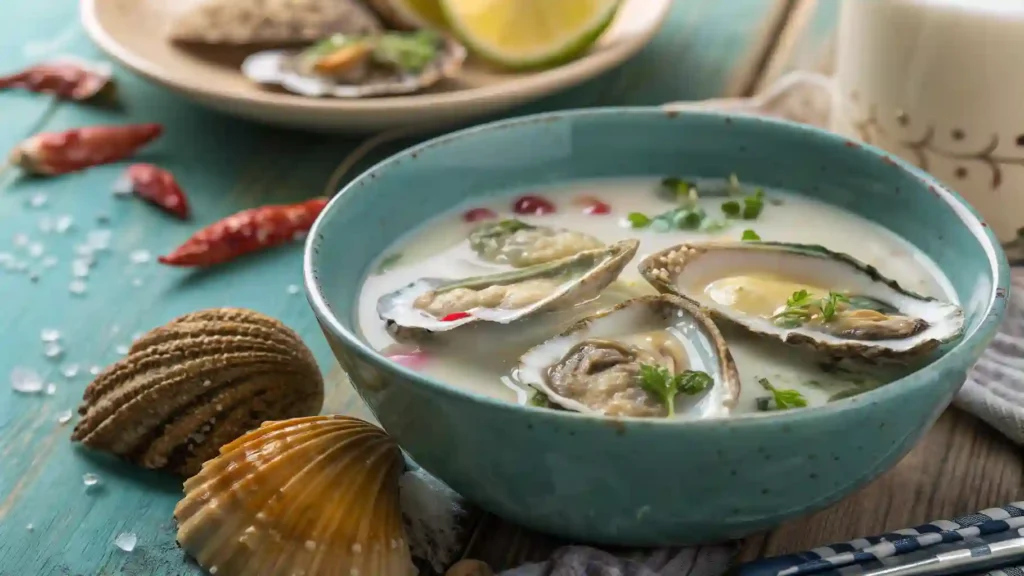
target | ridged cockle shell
[
  {"x": 313, "y": 496},
  {"x": 187, "y": 388}
]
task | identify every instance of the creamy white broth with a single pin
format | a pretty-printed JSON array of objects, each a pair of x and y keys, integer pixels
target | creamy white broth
[{"x": 480, "y": 357}]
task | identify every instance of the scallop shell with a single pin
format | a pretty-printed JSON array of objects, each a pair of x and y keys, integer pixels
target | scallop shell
[
  {"x": 187, "y": 388},
  {"x": 314, "y": 496}
]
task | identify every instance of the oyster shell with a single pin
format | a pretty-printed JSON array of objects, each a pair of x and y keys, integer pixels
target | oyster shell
[
  {"x": 317, "y": 495},
  {"x": 846, "y": 309},
  {"x": 195, "y": 384},
  {"x": 597, "y": 365},
  {"x": 438, "y": 304},
  {"x": 360, "y": 66},
  {"x": 243, "y": 22},
  {"x": 518, "y": 244}
]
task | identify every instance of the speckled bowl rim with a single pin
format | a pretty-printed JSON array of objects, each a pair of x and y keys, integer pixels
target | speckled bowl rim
[{"x": 961, "y": 353}]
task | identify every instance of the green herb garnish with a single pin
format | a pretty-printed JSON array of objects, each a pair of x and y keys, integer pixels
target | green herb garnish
[
  {"x": 750, "y": 236},
  {"x": 783, "y": 399},
  {"x": 638, "y": 220},
  {"x": 658, "y": 381},
  {"x": 753, "y": 205},
  {"x": 828, "y": 305},
  {"x": 798, "y": 308},
  {"x": 731, "y": 208},
  {"x": 539, "y": 399},
  {"x": 409, "y": 52}
]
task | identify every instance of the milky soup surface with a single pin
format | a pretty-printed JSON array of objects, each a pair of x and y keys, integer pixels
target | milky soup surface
[{"x": 480, "y": 357}]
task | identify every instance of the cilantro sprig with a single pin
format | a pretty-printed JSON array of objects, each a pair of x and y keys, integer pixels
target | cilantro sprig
[
  {"x": 780, "y": 399},
  {"x": 750, "y": 236},
  {"x": 801, "y": 307},
  {"x": 657, "y": 380}
]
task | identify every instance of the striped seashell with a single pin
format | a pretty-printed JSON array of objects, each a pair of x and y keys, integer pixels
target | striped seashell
[
  {"x": 314, "y": 496},
  {"x": 187, "y": 388}
]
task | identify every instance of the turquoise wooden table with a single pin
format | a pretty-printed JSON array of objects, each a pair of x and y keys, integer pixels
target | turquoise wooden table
[{"x": 50, "y": 521}]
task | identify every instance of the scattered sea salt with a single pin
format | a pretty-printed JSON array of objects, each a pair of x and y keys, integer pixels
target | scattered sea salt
[
  {"x": 51, "y": 389},
  {"x": 26, "y": 380},
  {"x": 49, "y": 262},
  {"x": 30, "y": 527},
  {"x": 45, "y": 224},
  {"x": 49, "y": 335},
  {"x": 53, "y": 350},
  {"x": 77, "y": 287},
  {"x": 89, "y": 479},
  {"x": 122, "y": 186},
  {"x": 6, "y": 258},
  {"x": 99, "y": 239},
  {"x": 36, "y": 250},
  {"x": 137, "y": 282},
  {"x": 140, "y": 256},
  {"x": 121, "y": 349},
  {"x": 83, "y": 250},
  {"x": 292, "y": 289},
  {"x": 126, "y": 541},
  {"x": 63, "y": 223},
  {"x": 80, "y": 267},
  {"x": 64, "y": 417},
  {"x": 21, "y": 240},
  {"x": 38, "y": 200},
  {"x": 95, "y": 370},
  {"x": 70, "y": 371}
]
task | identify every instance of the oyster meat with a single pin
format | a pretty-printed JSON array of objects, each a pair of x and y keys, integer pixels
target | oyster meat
[
  {"x": 437, "y": 304},
  {"x": 359, "y": 66},
  {"x": 605, "y": 363},
  {"x": 246, "y": 22},
  {"x": 518, "y": 244},
  {"x": 807, "y": 295}
]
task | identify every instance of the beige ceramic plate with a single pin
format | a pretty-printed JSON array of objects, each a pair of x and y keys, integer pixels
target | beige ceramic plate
[{"x": 134, "y": 33}]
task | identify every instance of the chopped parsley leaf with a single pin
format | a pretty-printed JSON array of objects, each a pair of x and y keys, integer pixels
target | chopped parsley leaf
[
  {"x": 750, "y": 236},
  {"x": 781, "y": 399},
  {"x": 638, "y": 220},
  {"x": 658, "y": 381},
  {"x": 731, "y": 208}
]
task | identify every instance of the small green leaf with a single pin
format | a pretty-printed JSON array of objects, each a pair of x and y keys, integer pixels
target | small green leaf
[
  {"x": 750, "y": 236},
  {"x": 539, "y": 399},
  {"x": 692, "y": 382},
  {"x": 784, "y": 399},
  {"x": 752, "y": 207},
  {"x": 828, "y": 305},
  {"x": 731, "y": 208},
  {"x": 690, "y": 219},
  {"x": 658, "y": 381},
  {"x": 638, "y": 220}
]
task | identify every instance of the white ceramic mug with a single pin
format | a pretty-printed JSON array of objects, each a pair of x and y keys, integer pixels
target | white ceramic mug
[{"x": 941, "y": 84}]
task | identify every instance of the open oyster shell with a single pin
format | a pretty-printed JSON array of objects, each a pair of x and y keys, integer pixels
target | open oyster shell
[
  {"x": 244, "y": 22},
  {"x": 753, "y": 284},
  {"x": 439, "y": 305},
  {"x": 356, "y": 66},
  {"x": 317, "y": 495},
  {"x": 518, "y": 244},
  {"x": 595, "y": 365}
]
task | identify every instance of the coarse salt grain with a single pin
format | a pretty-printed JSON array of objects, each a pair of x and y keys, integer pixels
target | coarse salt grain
[
  {"x": 64, "y": 417},
  {"x": 121, "y": 349},
  {"x": 77, "y": 287},
  {"x": 63, "y": 223},
  {"x": 126, "y": 541},
  {"x": 99, "y": 239},
  {"x": 38, "y": 200},
  {"x": 26, "y": 380},
  {"x": 36, "y": 250},
  {"x": 51, "y": 389},
  {"x": 49, "y": 335},
  {"x": 21, "y": 240},
  {"x": 140, "y": 256},
  {"x": 137, "y": 282},
  {"x": 53, "y": 350},
  {"x": 45, "y": 224},
  {"x": 70, "y": 371},
  {"x": 80, "y": 267},
  {"x": 95, "y": 370},
  {"x": 292, "y": 289},
  {"x": 49, "y": 261},
  {"x": 89, "y": 479}
]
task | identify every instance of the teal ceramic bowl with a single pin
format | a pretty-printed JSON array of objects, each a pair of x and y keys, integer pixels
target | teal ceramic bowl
[{"x": 647, "y": 482}]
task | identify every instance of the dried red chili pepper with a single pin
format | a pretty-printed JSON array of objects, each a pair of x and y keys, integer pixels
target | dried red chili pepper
[
  {"x": 157, "y": 186},
  {"x": 53, "y": 153},
  {"x": 67, "y": 80},
  {"x": 455, "y": 316},
  {"x": 247, "y": 231}
]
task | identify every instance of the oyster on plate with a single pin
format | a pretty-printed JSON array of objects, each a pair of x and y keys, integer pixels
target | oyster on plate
[
  {"x": 807, "y": 295},
  {"x": 361, "y": 65},
  {"x": 518, "y": 244},
  {"x": 652, "y": 356},
  {"x": 439, "y": 304},
  {"x": 247, "y": 22}
]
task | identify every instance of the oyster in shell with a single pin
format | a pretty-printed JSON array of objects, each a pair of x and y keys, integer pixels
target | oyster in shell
[
  {"x": 601, "y": 364},
  {"x": 360, "y": 66},
  {"x": 439, "y": 304},
  {"x": 246, "y": 22},
  {"x": 807, "y": 295},
  {"x": 518, "y": 244},
  {"x": 317, "y": 495}
]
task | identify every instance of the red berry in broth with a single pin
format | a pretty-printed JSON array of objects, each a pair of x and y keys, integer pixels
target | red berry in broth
[
  {"x": 478, "y": 214},
  {"x": 533, "y": 205},
  {"x": 597, "y": 208}
]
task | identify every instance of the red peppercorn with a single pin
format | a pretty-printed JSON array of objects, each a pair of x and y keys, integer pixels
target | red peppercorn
[
  {"x": 533, "y": 205},
  {"x": 455, "y": 316},
  {"x": 592, "y": 205},
  {"x": 478, "y": 214}
]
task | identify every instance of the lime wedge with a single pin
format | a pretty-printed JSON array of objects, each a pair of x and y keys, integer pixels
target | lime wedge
[
  {"x": 522, "y": 34},
  {"x": 411, "y": 13}
]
